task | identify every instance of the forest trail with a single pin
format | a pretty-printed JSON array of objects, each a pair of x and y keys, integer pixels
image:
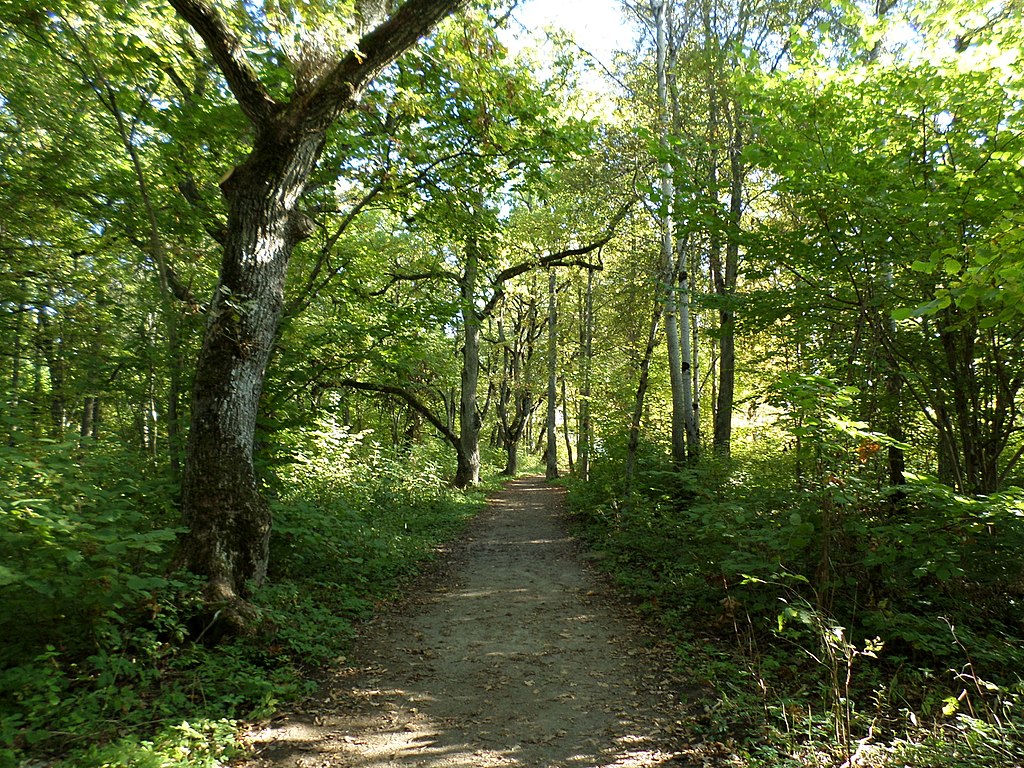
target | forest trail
[{"x": 514, "y": 656}]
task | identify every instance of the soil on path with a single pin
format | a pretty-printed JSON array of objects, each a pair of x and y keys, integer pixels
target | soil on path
[{"x": 516, "y": 656}]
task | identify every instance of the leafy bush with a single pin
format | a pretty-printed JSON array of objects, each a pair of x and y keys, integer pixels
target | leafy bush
[
  {"x": 850, "y": 608},
  {"x": 99, "y": 662},
  {"x": 82, "y": 539}
]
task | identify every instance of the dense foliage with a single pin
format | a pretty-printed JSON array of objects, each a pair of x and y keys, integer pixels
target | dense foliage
[
  {"x": 761, "y": 298},
  {"x": 104, "y": 660},
  {"x": 819, "y": 617},
  {"x": 845, "y": 576}
]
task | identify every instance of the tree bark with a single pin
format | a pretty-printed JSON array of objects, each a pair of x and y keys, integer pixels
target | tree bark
[
  {"x": 725, "y": 286},
  {"x": 228, "y": 520}
]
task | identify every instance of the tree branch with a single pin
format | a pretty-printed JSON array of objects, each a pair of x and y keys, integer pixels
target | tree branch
[
  {"x": 564, "y": 258},
  {"x": 408, "y": 397},
  {"x": 227, "y": 50},
  {"x": 341, "y": 88},
  {"x": 395, "y": 278}
]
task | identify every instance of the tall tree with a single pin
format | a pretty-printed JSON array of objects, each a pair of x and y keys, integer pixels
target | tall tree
[
  {"x": 228, "y": 520},
  {"x": 675, "y": 278},
  {"x": 551, "y": 443}
]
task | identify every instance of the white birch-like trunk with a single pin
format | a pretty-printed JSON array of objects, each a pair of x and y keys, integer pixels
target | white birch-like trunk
[{"x": 676, "y": 287}]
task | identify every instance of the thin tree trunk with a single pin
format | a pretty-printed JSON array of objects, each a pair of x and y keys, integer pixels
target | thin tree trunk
[
  {"x": 86, "y": 425},
  {"x": 641, "y": 395},
  {"x": 674, "y": 277},
  {"x": 695, "y": 369},
  {"x": 19, "y": 324},
  {"x": 586, "y": 365},
  {"x": 551, "y": 449},
  {"x": 689, "y": 418},
  {"x": 725, "y": 287},
  {"x": 894, "y": 395},
  {"x": 468, "y": 469},
  {"x": 53, "y": 355},
  {"x": 39, "y": 357},
  {"x": 660, "y": 8},
  {"x": 565, "y": 430}
]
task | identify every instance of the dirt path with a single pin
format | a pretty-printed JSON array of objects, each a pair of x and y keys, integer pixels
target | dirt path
[{"x": 516, "y": 659}]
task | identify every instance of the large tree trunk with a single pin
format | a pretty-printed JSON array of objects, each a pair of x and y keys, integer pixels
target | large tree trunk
[
  {"x": 511, "y": 459},
  {"x": 228, "y": 520}
]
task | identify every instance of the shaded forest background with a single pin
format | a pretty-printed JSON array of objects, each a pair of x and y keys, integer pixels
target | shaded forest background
[{"x": 759, "y": 303}]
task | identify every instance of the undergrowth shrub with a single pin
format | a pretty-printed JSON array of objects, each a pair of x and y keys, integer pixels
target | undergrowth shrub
[
  {"x": 847, "y": 614},
  {"x": 100, "y": 664},
  {"x": 82, "y": 542}
]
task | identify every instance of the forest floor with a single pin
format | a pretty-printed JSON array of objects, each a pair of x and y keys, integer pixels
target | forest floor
[{"x": 512, "y": 652}]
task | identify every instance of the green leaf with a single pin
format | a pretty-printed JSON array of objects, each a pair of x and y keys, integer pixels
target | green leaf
[{"x": 8, "y": 577}]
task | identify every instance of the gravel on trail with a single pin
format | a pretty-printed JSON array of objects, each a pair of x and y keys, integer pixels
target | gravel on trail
[{"x": 513, "y": 654}]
